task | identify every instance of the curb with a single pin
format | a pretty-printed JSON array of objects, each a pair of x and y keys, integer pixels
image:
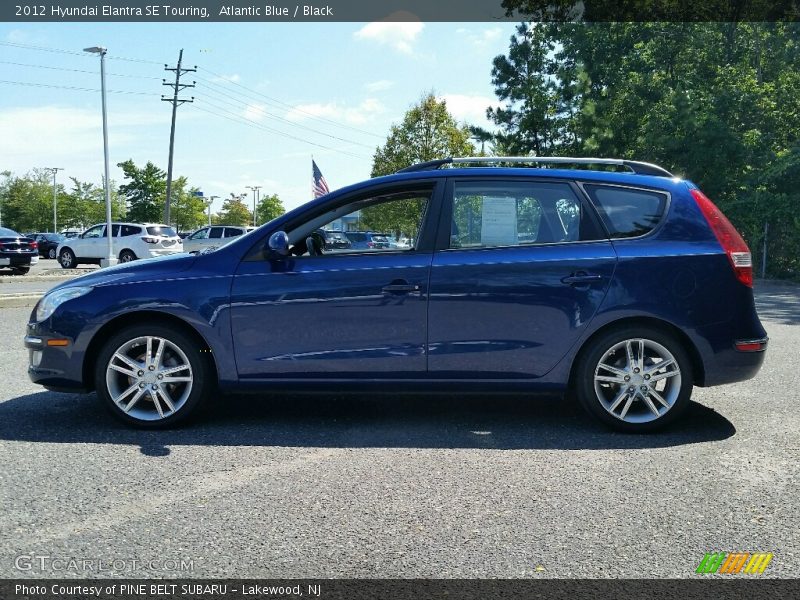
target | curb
[
  {"x": 33, "y": 278},
  {"x": 19, "y": 300}
]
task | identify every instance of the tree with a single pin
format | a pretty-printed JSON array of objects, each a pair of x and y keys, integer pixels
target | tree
[
  {"x": 145, "y": 193},
  {"x": 188, "y": 208},
  {"x": 234, "y": 212},
  {"x": 269, "y": 207},
  {"x": 717, "y": 102},
  {"x": 428, "y": 132}
]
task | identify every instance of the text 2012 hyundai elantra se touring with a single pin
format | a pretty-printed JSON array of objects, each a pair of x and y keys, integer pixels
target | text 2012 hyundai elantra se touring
[{"x": 627, "y": 288}]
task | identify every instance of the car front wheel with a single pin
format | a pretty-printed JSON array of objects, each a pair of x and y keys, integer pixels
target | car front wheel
[
  {"x": 152, "y": 376},
  {"x": 634, "y": 379},
  {"x": 67, "y": 259}
]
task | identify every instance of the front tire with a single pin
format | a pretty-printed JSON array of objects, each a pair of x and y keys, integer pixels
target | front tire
[
  {"x": 67, "y": 259},
  {"x": 152, "y": 376},
  {"x": 634, "y": 379}
]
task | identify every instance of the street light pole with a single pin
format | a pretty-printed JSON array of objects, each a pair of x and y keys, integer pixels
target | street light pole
[
  {"x": 210, "y": 202},
  {"x": 55, "y": 170},
  {"x": 255, "y": 189},
  {"x": 110, "y": 260}
]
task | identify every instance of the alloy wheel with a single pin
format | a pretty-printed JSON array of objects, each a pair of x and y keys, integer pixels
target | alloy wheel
[
  {"x": 149, "y": 378},
  {"x": 637, "y": 380}
]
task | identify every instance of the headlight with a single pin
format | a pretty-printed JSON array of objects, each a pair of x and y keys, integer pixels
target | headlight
[{"x": 53, "y": 300}]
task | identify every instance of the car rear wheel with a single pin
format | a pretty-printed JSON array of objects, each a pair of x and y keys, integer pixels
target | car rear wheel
[
  {"x": 152, "y": 376},
  {"x": 51, "y": 253},
  {"x": 67, "y": 259},
  {"x": 634, "y": 379},
  {"x": 126, "y": 256}
]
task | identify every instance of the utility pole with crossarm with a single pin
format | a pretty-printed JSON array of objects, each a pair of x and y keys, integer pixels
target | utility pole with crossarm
[{"x": 177, "y": 87}]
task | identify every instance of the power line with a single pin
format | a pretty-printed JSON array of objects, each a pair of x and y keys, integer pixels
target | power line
[
  {"x": 74, "y": 88},
  {"x": 18, "y": 64},
  {"x": 75, "y": 52},
  {"x": 287, "y": 105},
  {"x": 284, "y": 120},
  {"x": 255, "y": 124}
]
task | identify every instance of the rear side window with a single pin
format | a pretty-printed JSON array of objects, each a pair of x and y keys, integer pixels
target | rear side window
[
  {"x": 216, "y": 232},
  {"x": 628, "y": 212},
  {"x": 233, "y": 231},
  {"x": 492, "y": 214},
  {"x": 130, "y": 230}
]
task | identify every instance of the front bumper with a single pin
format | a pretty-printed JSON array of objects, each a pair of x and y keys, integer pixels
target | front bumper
[{"x": 51, "y": 360}]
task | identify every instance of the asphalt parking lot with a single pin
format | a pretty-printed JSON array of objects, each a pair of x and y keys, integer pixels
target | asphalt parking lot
[{"x": 417, "y": 487}]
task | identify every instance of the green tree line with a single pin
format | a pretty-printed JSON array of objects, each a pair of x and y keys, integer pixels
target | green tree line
[
  {"x": 26, "y": 201},
  {"x": 717, "y": 103}
]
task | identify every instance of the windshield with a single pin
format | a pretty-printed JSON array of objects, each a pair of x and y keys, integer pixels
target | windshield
[{"x": 161, "y": 230}]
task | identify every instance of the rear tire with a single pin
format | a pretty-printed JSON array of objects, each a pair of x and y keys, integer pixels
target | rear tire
[
  {"x": 152, "y": 376},
  {"x": 634, "y": 379},
  {"x": 51, "y": 254},
  {"x": 126, "y": 256},
  {"x": 67, "y": 259}
]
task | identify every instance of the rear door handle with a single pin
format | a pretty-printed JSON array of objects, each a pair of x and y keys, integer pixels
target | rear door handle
[
  {"x": 400, "y": 288},
  {"x": 581, "y": 278}
]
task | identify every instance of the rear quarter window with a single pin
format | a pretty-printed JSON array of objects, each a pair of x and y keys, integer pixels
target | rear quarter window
[{"x": 628, "y": 212}]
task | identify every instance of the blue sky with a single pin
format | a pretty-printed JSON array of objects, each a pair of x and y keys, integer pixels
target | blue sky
[{"x": 349, "y": 81}]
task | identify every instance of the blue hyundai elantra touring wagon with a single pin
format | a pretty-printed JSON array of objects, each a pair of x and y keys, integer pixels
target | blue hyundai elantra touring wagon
[{"x": 609, "y": 279}]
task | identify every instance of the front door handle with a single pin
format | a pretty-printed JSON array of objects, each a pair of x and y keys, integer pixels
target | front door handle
[
  {"x": 400, "y": 287},
  {"x": 581, "y": 278}
]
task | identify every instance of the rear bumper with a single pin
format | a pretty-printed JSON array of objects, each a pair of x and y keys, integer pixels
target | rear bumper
[
  {"x": 164, "y": 251},
  {"x": 730, "y": 365},
  {"x": 18, "y": 260}
]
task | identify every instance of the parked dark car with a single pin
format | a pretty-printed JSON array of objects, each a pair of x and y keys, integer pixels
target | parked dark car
[
  {"x": 48, "y": 243},
  {"x": 625, "y": 288},
  {"x": 335, "y": 240},
  {"x": 367, "y": 239},
  {"x": 17, "y": 252}
]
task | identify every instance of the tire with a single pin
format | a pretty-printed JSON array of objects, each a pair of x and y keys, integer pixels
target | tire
[
  {"x": 630, "y": 405},
  {"x": 126, "y": 256},
  {"x": 140, "y": 399},
  {"x": 20, "y": 270},
  {"x": 67, "y": 259},
  {"x": 51, "y": 254}
]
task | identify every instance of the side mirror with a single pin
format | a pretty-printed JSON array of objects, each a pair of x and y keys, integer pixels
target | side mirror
[{"x": 279, "y": 243}]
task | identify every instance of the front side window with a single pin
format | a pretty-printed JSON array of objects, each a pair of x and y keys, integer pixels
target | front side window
[
  {"x": 494, "y": 214},
  {"x": 363, "y": 226},
  {"x": 94, "y": 232},
  {"x": 200, "y": 235},
  {"x": 627, "y": 212}
]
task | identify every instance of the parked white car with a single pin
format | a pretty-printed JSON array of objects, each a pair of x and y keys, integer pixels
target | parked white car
[
  {"x": 129, "y": 242},
  {"x": 212, "y": 237}
]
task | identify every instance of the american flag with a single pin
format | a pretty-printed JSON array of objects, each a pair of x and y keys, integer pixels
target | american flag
[{"x": 319, "y": 187}]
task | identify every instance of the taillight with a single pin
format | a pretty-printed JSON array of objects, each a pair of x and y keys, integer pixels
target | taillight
[
  {"x": 150, "y": 240},
  {"x": 34, "y": 245},
  {"x": 370, "y": 244},
  {"x": 730, "y": 240}
]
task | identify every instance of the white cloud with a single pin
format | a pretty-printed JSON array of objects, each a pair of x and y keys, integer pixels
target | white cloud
[
  {"x": 355, "y": 115},
  {"x": 255, "y": 112},
  {"x": 19, "y": 36},
  {"x": 480, "y": 38},
  {"x": 379, "y": 86},
  {"x": 469, "y": 107},
  {"x": 234, "y": 78},
  {"x": 400, "y": 36},
  {"x": 46, "y": 133}
]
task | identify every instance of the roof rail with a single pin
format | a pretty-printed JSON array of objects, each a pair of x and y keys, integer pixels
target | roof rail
[{"x": 640, "y": 168}]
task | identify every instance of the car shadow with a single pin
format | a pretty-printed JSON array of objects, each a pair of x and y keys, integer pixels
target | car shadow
[
  {"x": 499, "y": 423},
  {"x": 779, "y": 303}
]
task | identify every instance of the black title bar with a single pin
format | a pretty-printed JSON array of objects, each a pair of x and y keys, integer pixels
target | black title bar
[{"x": 397, "y": 10}]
